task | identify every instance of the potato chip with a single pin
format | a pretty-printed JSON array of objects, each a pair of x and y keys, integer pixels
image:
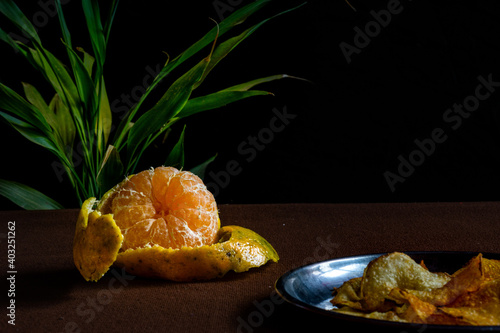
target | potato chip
[
  {"x": 395, "y": 270},
  {"x": 389, "y": 315},
  {"x": 491, "y": 268},
  {"x": 421, "y": 312},
  {"x": 467, "y": 279},
  {"x": 349, "y": 294},
  {"x": 478, "y": 308}
]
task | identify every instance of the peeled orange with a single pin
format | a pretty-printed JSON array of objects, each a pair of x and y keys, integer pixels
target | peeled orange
[
  {"x": 163, "y": 206},
  {"x": 163, "y": 223}
]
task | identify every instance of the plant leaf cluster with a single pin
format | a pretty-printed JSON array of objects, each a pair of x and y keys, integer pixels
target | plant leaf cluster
[{"x": 79, "y": 112}]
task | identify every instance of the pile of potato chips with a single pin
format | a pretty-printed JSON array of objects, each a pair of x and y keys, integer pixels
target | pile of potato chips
[{"x": 394, "y": 287}]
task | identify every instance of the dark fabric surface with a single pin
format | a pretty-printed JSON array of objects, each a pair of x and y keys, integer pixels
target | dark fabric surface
[{"x": 51, "y": 296}]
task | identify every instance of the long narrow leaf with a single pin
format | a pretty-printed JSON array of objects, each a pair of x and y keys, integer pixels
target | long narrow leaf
[
  {"x": 56, "y": 74},
  {"x": 176, "y": 156},
  {"x": 111, "y": 18},
  {"x": 104, "y": 120},
  {"x": 83, "y": 81},
  {"x": 227, "y": 96},
  {"x": 62, "y": 22},
  {"x": 96, "y": 32},
  {"x": 80, "y": 70},
  {"x": 65, "y": 124},
  {"x": 250, "y": 84},
  {"x": 7, "y": 39},
  {"x": 16, "y": 16},
  {"x": 33, "y": 134},
  {"x": 216, "y": 100},
  {"x": 111, "y": 170},
  {"x": 88, "y": 60},
  {"x": 199, "y": 170},
  {"x": 224, "y": 48},
  {"x": 169, "y": 105},
  {"x": 12, "y": 102},
  {"x": 35, "y": 98},
  {"x": 231, "y": 21},
  {"x": 26, "y": 197}
]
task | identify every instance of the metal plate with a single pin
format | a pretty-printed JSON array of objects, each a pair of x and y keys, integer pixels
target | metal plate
[{"x": 310, "y": 287}]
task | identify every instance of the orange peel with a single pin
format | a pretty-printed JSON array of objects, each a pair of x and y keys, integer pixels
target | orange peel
[
  {"x": 96, "y": 243},
  {"x": 237, "y": 249}
]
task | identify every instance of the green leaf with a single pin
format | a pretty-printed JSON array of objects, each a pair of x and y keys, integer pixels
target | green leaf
[
  {"x": 169, "y": 105},
  {"x": 111, "y": 17},
  {"x": 26, "y": 197},
  {"x": 35, "y": 98},
  {"x": 65, "y": 125},
  {"x": 224, "y": 48},
  {"x": 105, "y": 118},
  {"x": 57, "y": 116},
  {"x": 232, "y": 20},
  {"x": 227, "y": 96},
  {"x": 56, "y": 74},
  {"x": 82, "y": 70},
  {"x": 16, "y": 16},
  {"x": 216, "y": 100},
  {"x": 111, "y": 170},
  {"x": 88, "y": 60},
  {"x": 96, "y": 32},
  {"x": 12, "y": 102},
  {"x": 33, "y": 134},
  {"x": 199, "y": 170},
  {"x": 7, "y": 39},
  {"x": 176, "y": 157},
  {"x": 64, "y": 26},
  {"x": 250, "y": 84}
]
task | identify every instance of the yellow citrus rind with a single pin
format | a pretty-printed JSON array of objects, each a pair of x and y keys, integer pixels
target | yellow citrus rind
[
  {"x": 96, "y": 243},
  {"x": 238, "y": 249}
]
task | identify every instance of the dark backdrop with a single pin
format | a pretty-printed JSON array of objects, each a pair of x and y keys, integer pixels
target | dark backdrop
[{"x": 402, "y": 103}]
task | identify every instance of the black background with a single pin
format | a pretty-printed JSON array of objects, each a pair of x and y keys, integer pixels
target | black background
[{"x": 348, "y": 126}]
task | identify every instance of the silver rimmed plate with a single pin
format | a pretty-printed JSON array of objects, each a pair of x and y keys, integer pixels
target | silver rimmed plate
[{"x": 310, "y": 287}]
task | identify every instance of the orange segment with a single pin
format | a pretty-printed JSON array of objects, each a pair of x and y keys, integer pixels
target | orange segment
[{"x": 166, "y": 207}]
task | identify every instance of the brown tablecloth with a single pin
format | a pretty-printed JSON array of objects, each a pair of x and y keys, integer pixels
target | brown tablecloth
[{"x": 51, "y": 296}]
